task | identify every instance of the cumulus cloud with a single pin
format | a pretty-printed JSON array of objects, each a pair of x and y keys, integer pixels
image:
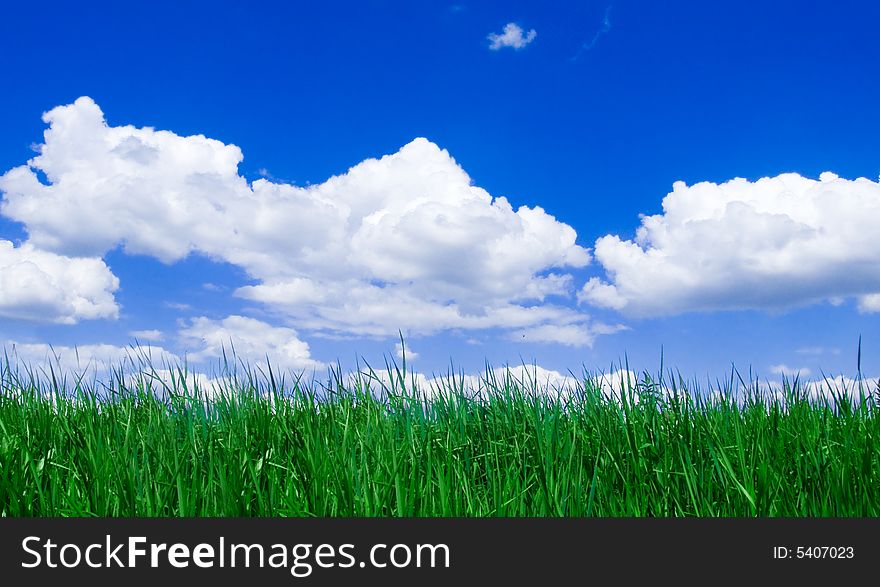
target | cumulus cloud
[
  {"x": 565, "y": 334},
  {"x": 817, "y": 350},
  {"x": 405, "y": 242},
  {"x": 205, "y": 339},
  {"x": 381, "y": 382},
  {"x": 621, "y": 385},
  {"x": 512, "y": 36},
  {"x": 530, "y": 379},
  {"x": 830, "y": 390},
  {"x": 870, "y": 303},
  {"x": 774, "y": 243},
  {"x": 150, "y": 335},
  {"x": 400, "y": 350},
  {"x": 536, "y": 376},
  {"x": 47, "y": 287},
  {"x": 786, "y": 371},
  {"x": 833, "y": 389},
  {"x": 539, "y": 381},
  {"x": 101, "y": 367},
  {"x": 162, "y": 369},
  {"x": 251, "y": 340},
  {"x": 97, "y": 358}
]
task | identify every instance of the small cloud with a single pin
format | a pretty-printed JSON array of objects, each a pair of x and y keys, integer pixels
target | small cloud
[
  {"x": 817, "y": 350},
  {"x": 250, "y": 340},
  {"x": 151, "y": 335},
  {"x": 601, "y": 294},
  {"x": 512, "y": 36},
  {"x": 576, "y": 335},
  {"x": 213, "y": 287},
  {"x": 178, "y": 306},
  {"x": 264, "y": 173},
  {"x": 399, "y": 351},
  {"x": 869, "y": 304},
  {"x": 42, "y": 286},
  {"x": 96, "y": 358},
  {"x": 602, "y": 328},
  {"x": 787, "y": 371}
]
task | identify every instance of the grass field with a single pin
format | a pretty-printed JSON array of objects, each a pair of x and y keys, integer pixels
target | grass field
[{"x": 140, "y": 444}]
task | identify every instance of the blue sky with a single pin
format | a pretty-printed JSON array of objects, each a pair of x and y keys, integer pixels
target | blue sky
[{"x": 592, "y": 118}]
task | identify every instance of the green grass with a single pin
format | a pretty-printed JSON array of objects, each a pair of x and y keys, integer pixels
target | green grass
[{"x": 132, "y": 445}]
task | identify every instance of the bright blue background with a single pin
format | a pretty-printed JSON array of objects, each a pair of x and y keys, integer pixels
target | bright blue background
[{"x": 674, "y": 90}]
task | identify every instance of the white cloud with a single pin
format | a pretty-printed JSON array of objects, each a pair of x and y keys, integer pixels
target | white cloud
[
  {"x": 770, "y": 244},
  {"x": 512, "y": 36},
  {"x": 97, "y": 358},
  {"x": 358, "y": 307},
  {"x": 150, "y": 335},
  {"x": 401, "y": 243},
  {"x": 98, "y": 367},
  {"x": 251, "y": 340},
  {"x": 786, "y": 371},
  {"x": 601, "y": 294},
  {"x": 619, "y": 385},
  {"x": 534, "y": 376},
  {"x": 869, "y": 304},
  {"x": 574, "y": 334},
  {"x": 536, "y": 380},
  {"x": 400, "y": 350},
  {"x": 834, "y": 388},
  {"x": 817, "y": 350},
  {"x": 571, "y": 334},
  {"x": 177, "y": 380},
  {"x": 381, "y": 382},
  {"x": 529, "y": 379},
  {"x": 819, "y": 390},
  {"x": 46, "y": 287}
]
